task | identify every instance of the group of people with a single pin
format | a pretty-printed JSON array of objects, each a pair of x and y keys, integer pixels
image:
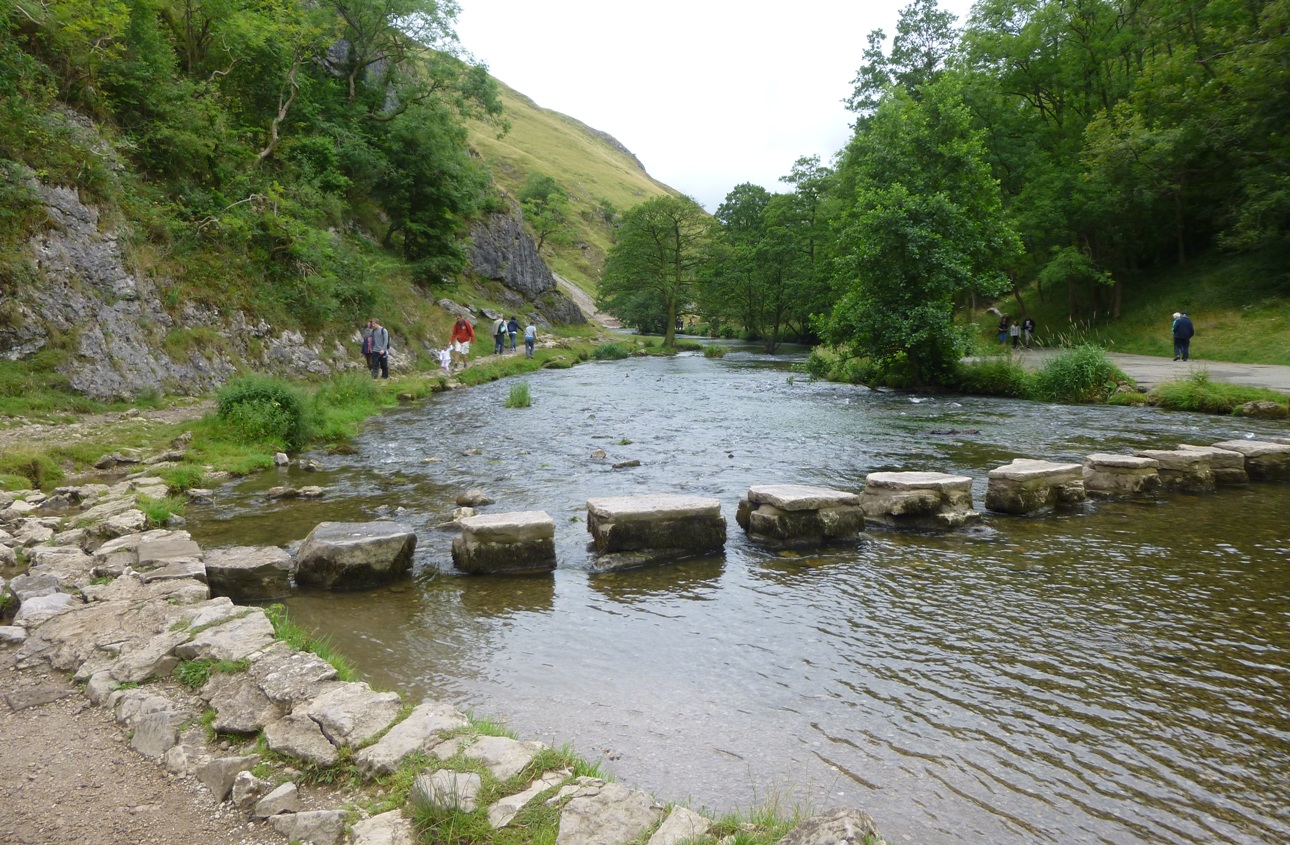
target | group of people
[
  {"x": 1010, "y": 329},
  {"x": 376, "y": 343}
]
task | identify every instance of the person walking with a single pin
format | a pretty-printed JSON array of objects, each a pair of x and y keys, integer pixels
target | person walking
[
  {"x": 1003, "y": 330},
  {"x": 1014, "y": 332},
  {"x": 380, "y": 360},
  {"x": 1184, "y": 331},
  {"x": 367, "y": 345},
  {"x": 463, "y": 334},
  {"x": 512, "y": 329},
  {"x": 499, "y": 335},
  {"x": 1028, "y": 330},
  {"x": 530, "y": 339}
]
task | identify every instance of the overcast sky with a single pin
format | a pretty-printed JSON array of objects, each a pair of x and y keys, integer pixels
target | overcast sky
[{"x": 706, "y": 93}]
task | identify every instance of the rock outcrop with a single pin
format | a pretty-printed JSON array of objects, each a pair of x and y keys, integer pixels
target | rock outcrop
[{"x": 502, "y": 251}]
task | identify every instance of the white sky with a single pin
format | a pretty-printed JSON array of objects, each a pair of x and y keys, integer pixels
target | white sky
[{"x": 706, "y": 93}]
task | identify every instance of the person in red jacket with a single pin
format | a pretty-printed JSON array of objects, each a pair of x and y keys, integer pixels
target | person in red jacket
[{"x": 463, "y": 333}]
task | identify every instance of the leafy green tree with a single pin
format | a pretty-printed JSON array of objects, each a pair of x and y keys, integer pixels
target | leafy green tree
[
  {"x": 924, "y": 38},
  {"x": 922, "y": 222},
  {"x": 546, "y": 209},
  {"x": 731, "y": 282},
  {"x": 652, "y": 269}
]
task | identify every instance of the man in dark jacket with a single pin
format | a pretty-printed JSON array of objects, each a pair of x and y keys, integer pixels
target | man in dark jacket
[{"x": 1183, "y": 333}]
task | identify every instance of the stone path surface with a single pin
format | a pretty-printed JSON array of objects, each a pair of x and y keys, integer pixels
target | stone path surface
[{"x": 1149, "y": 371}]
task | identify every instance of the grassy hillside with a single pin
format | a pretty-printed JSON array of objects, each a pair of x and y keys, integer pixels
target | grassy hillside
[
  {"x": 1240, "y": 305},
  {"x": 595, "y": 173}
]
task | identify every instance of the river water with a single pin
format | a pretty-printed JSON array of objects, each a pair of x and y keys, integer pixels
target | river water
[{"x": 1120, "y": 674}]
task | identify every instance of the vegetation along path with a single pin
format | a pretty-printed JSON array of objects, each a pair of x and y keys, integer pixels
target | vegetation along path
[{"x": 1149, "y": 371}]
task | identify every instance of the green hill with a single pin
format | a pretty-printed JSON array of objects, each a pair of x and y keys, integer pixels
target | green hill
[{"x": 600, "y": 176}]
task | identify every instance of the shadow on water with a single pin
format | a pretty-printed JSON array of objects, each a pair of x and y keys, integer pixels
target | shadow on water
[{"x": 1119, "y": 673}]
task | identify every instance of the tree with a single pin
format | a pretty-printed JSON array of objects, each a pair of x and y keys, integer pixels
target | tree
[
  {"x": 652, "y": 269},
  {"x": 923, "y": 222},
  {"x": 546, "y": 209},
  {"x": 924, "y": 38}
]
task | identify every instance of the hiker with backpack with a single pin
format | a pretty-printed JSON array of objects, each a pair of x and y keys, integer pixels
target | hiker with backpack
[{"x": 379, "y": 359}]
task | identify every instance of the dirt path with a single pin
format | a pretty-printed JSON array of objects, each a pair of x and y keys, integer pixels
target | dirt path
[
  {"x": 95, "y": 426},
  {"x": 1149, "y": 371},
  {"x": 71, "y": 778}
]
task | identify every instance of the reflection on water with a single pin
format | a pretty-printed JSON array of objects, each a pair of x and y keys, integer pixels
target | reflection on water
[{"x": 1114, "y": 675}]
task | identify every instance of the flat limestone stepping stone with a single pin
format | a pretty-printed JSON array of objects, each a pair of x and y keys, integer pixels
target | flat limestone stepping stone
[
  {"x": 921, "y": 500},
  {"x": 1026, "y": 486},
  {"x": 1183, "y": 470},
  {"x": 1228, "y": 466},
  {"x": 249, "y": 573},
  {"x": 796, "y": 514},
  {"x": 1110, "y": 476},
  {"x": 352, "y": 713},
  {"x": 1264, "y": 461},
  {"x": 354, "y": 555},
  {"x": 505, "y": 543},
  {"x": 656, "y": 521}
]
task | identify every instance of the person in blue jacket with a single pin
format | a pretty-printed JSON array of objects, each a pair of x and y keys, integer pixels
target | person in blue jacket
[{"x": 1184, "y": 331}]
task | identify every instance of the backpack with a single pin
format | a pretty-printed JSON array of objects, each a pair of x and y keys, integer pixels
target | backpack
[{"x": 368, "y": 345}]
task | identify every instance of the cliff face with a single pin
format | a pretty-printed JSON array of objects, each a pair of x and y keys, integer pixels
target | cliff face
[
  {"x": 123, "y": 341},
  {"x": 502, "y": 251}
]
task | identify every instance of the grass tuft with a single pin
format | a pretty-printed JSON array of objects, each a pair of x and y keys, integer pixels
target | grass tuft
[
  {"x": 1199, "y": 392},
  {"x": 519, "y": 396}
]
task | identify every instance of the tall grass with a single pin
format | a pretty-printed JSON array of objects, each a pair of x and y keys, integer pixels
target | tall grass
[
  {"x": 1198, "y": 392},
  {"x": 1080, "y": 374},
  {"x": 715, "y": 350},
  {"x": 519, "y": 396},
  {"x": 611, "y": 351}
]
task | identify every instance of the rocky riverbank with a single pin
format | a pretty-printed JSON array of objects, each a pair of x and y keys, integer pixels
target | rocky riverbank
[{"x": 188, "y": 718}]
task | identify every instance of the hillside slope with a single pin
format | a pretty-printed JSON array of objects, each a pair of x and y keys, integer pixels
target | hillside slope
[{"x": 599, "y": 174}]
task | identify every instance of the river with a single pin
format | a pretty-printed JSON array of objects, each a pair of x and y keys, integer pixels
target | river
[{"x": 1119, "y": 674}]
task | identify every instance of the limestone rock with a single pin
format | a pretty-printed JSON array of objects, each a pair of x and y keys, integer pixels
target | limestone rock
[
  {"x": 247, "y": 790},
  {"x": 218, "y": 774},
  {"x": 1110, "y": 476},
  {"x": 506, "y": 808},
  {"x": 1262, "y": 409},
  {"x": 918, "y": 500},
  {"x": 835, "y": 827},
  {"x": 40, "y": 609},
  {"x": 287, "y": 675},
  {"x": 505, "y": 543},
  {"x": 1228, "y": 466},
  {"x": 795, "y": 514},
  {"x": 232, "y": 640},
  {"x": 240, "y": 705},
  {"x": 606, "y": 813},
  {"x": 315, "y": 827},
  {"x": 1263, "y": 461},
  {"x": 681, "y": 825},
  {"x": 1183, "y": 470},
  {"x": 352, "y": 713},
  {"x": 153, "y": 659},
  {"x": 420, "y": 731},
  {"x": 448, "y": 790},
  {"x": 352, "y": 555},
  {"x": 284, "y": 799},
  {"x": 385, "y": 829},
  {"x": 156, "y": 733},
  {"x": 504, "y": 757},
  {"x": 688, "y": 524},
  {"x": 1026, "y": 486},
  {"x": 249, "y": 573},
  {"x": 299, "y": 736},
  {"x": 474, "y": 498}
]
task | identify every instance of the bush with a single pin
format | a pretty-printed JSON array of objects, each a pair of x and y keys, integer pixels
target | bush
[
  {"x": 263, "y": 409},
  {"x": 687, "y": 345},
  {"x": 40, "y": 470},
  {"x": 610, "y": 352},
  {"x": 716, "y": 350},
  {"x": 1080, "y": 374},
  {"x": 992, "y": 377}
]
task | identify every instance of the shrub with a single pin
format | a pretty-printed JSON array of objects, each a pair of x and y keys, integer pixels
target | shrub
[
  {"x": 992, "y": 377},
  {"x": 716, "y": 350},
  {"x": 610, "y": 352},
  {"x": 687, "y": 345},
  {"x": 263, "y": 409},
  {"x": 1079, "y": 374}
]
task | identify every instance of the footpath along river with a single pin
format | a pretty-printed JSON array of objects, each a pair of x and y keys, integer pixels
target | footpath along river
[{"x": 1120, "y": 674}]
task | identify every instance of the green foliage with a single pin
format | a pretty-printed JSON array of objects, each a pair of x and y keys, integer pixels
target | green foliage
[
  {"x": 715, "y": 350},
  {"x": 1199, "y": 392},
  {"x": 12, "y": 482},
  {"x": 159, "y": 511},
  {"x": 182, "y": 478},
  {"x": 262, "y": 409},
  {"x": 38, "y": 468},
  {"x": 301, "y": 640},
  {"x": 1078, "y": 374},
  {"x": 519, "y": 396},
  {"x": 992, "y": 377},
  {"x": 612, "y": 351}
]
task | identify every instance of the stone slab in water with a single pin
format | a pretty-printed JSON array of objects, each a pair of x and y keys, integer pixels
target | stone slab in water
[
  {"x": 1109, "y": 475},
  {"x": 690, "y": 524},
  {"x": 1264, "y": 461},
  {"x": 249, "y": 573},
  {"x": 354, "y": 555},
  {"x": 1026, "y": 486},
  {"x": 800, "y": 497},
  {"x": 1182, "y": 469},
  {"x": 509, "y": 527},
  {"x": 653, "y": 506},
  {"x": 1228, "y": 466},
  {"x": 920, "y": 500}
]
